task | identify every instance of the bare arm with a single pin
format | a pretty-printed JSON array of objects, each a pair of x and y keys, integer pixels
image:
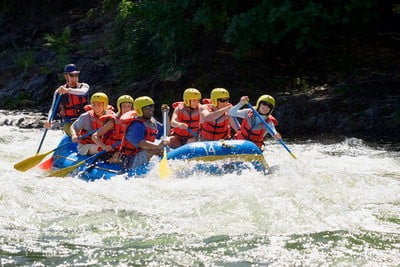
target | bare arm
[
  {"x": 174, "y": 121},
  {"x": 82, "y": 123},
  {"x": 206, "y": 115},
  {"x": 96, "y": 137},
  {"x": 144, "y": 144},
  {"x": 74, "y": 135}
]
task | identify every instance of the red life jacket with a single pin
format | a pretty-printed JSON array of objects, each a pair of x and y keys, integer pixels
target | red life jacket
[
  {"x": 96, "y": 123},
  {"x": 206, "y": 101},
  {"x": 73, "y": 105},
  {"x": 215, "y": 130},
  {"x": 255, "y": 133},
  {"x": 186, "y": 115},
  {"x": 117, "y": 134},
  {"x": 151, "y": 132}
]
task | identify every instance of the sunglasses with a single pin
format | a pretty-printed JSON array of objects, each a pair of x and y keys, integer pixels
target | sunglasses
[
  {"x": 223, "y": 100},
  {"x": 266, "y": 104},
  {"x": 149, "y": 107},
  {"x": 73, "y": 75}
]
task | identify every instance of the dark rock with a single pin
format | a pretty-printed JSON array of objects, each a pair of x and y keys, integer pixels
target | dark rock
[
  {"x": 44, "y": 55},
  {"x": 20, "y": 121}
]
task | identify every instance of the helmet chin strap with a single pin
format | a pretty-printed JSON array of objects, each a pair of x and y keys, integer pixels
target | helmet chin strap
[{"x": 262, "y": 114}]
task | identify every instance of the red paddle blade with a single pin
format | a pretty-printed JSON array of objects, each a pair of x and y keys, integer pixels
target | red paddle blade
[{"x": 46, "y": 165}]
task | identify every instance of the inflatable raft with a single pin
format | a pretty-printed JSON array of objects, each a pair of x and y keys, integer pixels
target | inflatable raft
[{"x": 211, "y": 157}]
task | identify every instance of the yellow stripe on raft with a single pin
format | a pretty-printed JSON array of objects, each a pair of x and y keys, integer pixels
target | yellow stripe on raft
[{"x": 238, "y": 157}]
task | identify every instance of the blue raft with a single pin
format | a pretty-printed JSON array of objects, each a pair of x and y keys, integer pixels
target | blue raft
[{"x": 210, "y": 157}]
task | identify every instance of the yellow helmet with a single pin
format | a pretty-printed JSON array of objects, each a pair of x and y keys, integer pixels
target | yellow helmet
[
  {"x": 99, "y": 97},
  {"x": 266, "y": 98},
  {"x": 189, "y": 94},
  {"x": 142, "y": 102},
  {"x": 124, "y": 99},
  {"x": 218, "y": 93}
]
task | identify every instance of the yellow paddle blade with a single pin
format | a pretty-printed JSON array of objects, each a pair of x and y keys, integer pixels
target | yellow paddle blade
[
  {"x": 31, "y": 162},
  {"x": 293, "y": 155},
  {"x": 165, "y": 171},
  {"x": 64, "y": 172}
]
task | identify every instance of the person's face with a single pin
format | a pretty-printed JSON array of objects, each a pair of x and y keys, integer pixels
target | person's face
[
  {"x": 264, "y": 108},
  {"x": 72, "y": 79},
  {"x": 125, "y": 107},
  {"x": 194, "y": 103},
  {"x": 222, "y": 102},
  {"x": 148, "y": 111},
  {"x": 98, "y": 108}
]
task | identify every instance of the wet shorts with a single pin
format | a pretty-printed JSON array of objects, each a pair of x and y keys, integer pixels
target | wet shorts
[{"x": 84, "y": 149}]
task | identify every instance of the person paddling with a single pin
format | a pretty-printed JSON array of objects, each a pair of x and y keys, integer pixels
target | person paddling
[
  {"x": 142, "y": 129},
  {"x": 74, "y": 98},
  {"x": 88, "y": 121},
  {"x": 185, "y": 119},
  {"x": 113, "y": 130},
  {"x": 215, "y": 122},
  {"x": 252, "y": 128}
]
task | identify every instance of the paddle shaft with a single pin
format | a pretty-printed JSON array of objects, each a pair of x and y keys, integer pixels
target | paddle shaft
[
  {"x": 41, "y": 141},
  {"x": 192, "y": 132},
  {"x": 95, "y": 156},
  {"x": 53, "y": 113},
  {"x": 270, "y": 130},
  {"x": 165, "y": 170},
  {"x": 165, "y": 128}
]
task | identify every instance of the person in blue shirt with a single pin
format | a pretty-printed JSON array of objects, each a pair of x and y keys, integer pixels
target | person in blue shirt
[{"x": 142, "y": 131}]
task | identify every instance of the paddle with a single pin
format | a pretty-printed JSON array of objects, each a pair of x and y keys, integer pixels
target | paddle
[
  {"x": 192, "y": 132},
  {"x": 31, "y": 162},
  {"x": 165, "y": 171},
  {"x": 53, "y": 113},
  {"x": 64, "y": 171},
  {"x": 270, "y": 130}
]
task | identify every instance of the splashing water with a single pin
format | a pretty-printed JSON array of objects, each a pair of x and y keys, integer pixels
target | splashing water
[{"x": 337, "y": 204}]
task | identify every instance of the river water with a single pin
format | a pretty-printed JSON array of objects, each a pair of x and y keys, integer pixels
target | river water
[{"x": 337, "y": 204}]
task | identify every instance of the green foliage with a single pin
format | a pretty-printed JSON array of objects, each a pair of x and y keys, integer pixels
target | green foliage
[
  {"x": 44, "y": 69},
  {"x": 302, "y": 84},
  {"x": 143, "y": 42},
  {"x": 60, "y": 44},
  {"x": 396, "y": 9},
  {"x": 162, "y": 36},
  {"x": 7, "y": 5},
  {"x": 24, "y": 59},
  {"x": 302, "y": 23}
]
